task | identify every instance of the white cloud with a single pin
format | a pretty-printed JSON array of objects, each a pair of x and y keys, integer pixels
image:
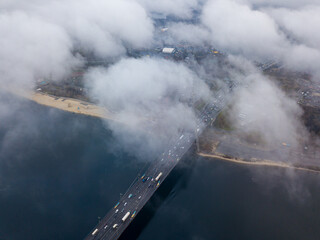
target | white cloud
[
  {"x": 241, "y": 30},
  {"x": 190, "y": 33},
  {"x": 179, "y": 8},
  {"x": 261, "y": 107},
  {"x": 264, "y": 31},
  {"x": 40, "y": 36},
  {"x": 101, "y": 26},
  {"x": 146, "y": 94},
  {"x": 301, "y": 23},
  {"x": 31, "y": 48}
]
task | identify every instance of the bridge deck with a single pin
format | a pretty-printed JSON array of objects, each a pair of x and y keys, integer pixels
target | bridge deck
[{"x": 143, "y": 187}]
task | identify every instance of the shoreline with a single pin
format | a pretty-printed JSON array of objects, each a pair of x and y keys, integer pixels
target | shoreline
[
  {"x": 267, "y": 163},
  {"x": 85, "y": 108},
  {"x": 72, "y": 105}
]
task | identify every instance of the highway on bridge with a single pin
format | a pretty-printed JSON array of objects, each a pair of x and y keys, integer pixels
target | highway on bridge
[{"x": 143, "y": 187}]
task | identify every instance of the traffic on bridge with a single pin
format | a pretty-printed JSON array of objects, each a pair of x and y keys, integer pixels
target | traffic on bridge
[{"x": 145, "y": 185}]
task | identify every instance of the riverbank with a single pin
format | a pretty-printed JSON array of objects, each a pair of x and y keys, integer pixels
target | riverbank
[
  {"x": 85, "y": 108},
  {"x": 71, "y": 105},
  {"x": 66, "y": 104},
  {"x": 268, "y": 163}
]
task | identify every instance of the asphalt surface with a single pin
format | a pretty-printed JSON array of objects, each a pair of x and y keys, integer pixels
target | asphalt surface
[{"x": 145, "y": 185}]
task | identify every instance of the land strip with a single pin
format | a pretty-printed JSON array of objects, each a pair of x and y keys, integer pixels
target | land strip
[{"x": 257, "y": 162}]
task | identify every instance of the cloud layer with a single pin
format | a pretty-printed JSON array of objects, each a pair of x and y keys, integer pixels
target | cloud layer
[
  {"x": 285, "y": 31},
  {"x": 150, "y": 96},
  {"x": 41, "y": 36},
  {"x": 41, "y": 39},
  {"x": 262, "y": 109}
]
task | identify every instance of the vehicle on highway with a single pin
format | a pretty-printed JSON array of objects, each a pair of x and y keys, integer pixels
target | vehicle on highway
[
  {"x": 158, "y": 177},
  {"x": 125, "y": 217},
  {"x": 118, "y": 220},
  {"x": 95, "y": 232}
]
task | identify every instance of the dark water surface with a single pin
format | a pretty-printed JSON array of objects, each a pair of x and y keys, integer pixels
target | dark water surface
[{"x": 60, "y": 171}]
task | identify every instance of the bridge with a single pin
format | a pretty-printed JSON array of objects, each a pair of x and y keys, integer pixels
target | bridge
[{"x": 144, "y": 186}]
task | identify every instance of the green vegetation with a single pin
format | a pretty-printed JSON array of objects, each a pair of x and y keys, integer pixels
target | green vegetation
[
  {"x": 223, "y": 121},
  {"x": 199, "y": 105},
  {"x": 311, "y": 117},
  {"x": 253, "y": 138}
]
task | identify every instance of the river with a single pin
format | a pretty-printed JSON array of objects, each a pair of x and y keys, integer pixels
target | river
[{"x": 60, "y": 172}]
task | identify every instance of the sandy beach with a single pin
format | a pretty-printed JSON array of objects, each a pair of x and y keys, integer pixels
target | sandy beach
[
  {"x": 71, "y": 105},
  {"x": 268, "y": 163},
  {"x": 65, "y": 104}
]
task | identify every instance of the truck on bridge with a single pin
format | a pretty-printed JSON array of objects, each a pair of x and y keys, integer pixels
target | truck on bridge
[
  {"x": 125, "y": 217},
  {"x": 158, "y": 177}
]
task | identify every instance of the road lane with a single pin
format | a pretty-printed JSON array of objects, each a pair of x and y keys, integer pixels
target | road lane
[{"x": 143, "y": 187}]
